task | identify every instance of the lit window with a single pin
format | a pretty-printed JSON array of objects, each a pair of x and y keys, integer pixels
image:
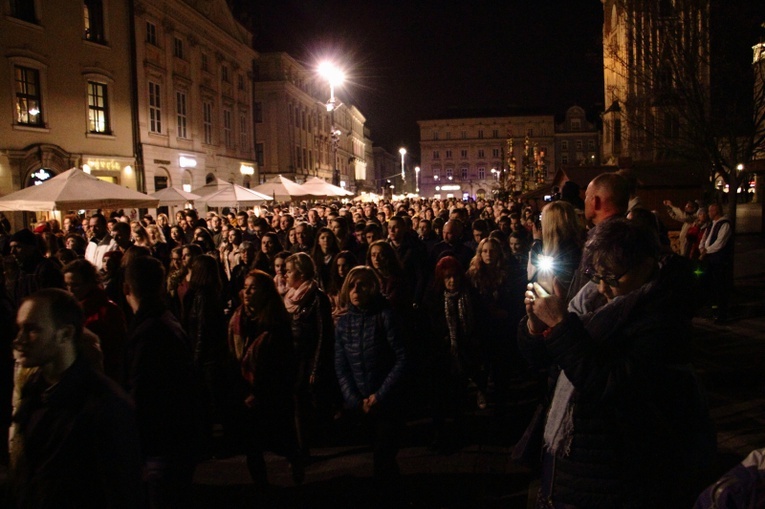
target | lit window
[
  {"x": 98, "y": 108},
  {"x": 155, "y": 108},
  {"x": 481, "y": 173},
  {"x": 180, "y": 108},
  {"x": 448, "y": 154},
  {"x": 94, "y": 20},
  {"x": 464, "y": 172},
  {"x": 151, "y": 33},
  {"x": 28, "y": 100},
  {"x": 449, "y": 173}
]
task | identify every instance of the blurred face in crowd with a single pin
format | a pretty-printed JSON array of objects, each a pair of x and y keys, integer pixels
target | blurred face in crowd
[
  {"x": 395, "y": 231},
  {"x": 267, "y": 245},
  {"x": 324, "y": 242},
  {"x": 186, "y": 258},
  {"x": 489, "y": 253},
  {"x": 67, "y": 224},
  {"x": 451, "y": 280},
  {"x": 477, "y": 235},
  {"x": 215, "y": 223},
  {"x": 291, "y": 236},
  {"x": 343, "y": 267},
  {"x": 338, "y": 229},
  {"x": 247, "y": 255},
  {"x": 715, "y": 212},
  {"x": 515, "y": 245},
  {"x": 451, "y": 233},
  {"x": 301, "y": 237},
  {"x": 370, "y": 237},
  {"x": 70, "y": 243},
  {"x": 377, "y": 257},
  {"x": 97, "y": 227},
  {"x": 293, "y": 277},
  {"x": 424, "y": 228},
  {"x": 176, "y": 261},
  {"x": 284, "y": 222},
  {"x": 251, "y": 297},
  {"x": 76, "y": 286},
  {"x": 280, "y": 267},
  {"x": 232, "y": 237},
  {"x": 36, "y": 343},
  {"x": 360, "y": 290}
]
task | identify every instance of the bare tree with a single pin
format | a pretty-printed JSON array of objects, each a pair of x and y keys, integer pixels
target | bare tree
[{"x": 678, "y": 89}]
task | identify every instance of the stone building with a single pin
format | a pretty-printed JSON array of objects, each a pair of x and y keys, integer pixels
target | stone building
[
  {"x": 195, "y": 97},
  {"x": 66, "y": 98},
  {"x": 294, "y": 127},
  {"x": 577, "y": 140},
  {"x": 470, "y": 155}
]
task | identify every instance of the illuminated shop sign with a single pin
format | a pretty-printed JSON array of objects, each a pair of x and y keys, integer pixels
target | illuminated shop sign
[{"x": 104, "y": 164}]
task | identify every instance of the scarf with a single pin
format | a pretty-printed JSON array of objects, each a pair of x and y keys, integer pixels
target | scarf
[
  {"x": 600, "y": 321},
  {"x": 294, "y": 296},
  {"x": 459, "y": 316}
]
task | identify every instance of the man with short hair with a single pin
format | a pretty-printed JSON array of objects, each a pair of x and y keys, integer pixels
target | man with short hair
[
  {"x": 686, "y": 216},
  {"x": 122, "y": 236},
  {"x": 77, "y": 429},
  {"x": 606, "y": 196},
  {"x": 452, "y": 245},
  {"x": 412, "y": 254},
  {"x": 161, "y": 382},
  {"x": 100, "y": 242},
  {"x": 303, "y": 239}
]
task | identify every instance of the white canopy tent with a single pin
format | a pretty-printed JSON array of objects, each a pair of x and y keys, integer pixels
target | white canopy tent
[
  {"x": 233, "y": 195},
  {"x": 74, "y": 190},
  {"x": 320, "y": 188},
  {"x": 172, "y": 196},
  {"x": 281, "y": 188}
]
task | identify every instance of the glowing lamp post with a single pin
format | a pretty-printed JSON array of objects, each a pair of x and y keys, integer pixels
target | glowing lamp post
[
  {"x": 417, "y": 179},
  {"x": 402, "y": 151},
  {"x": 334, "y": 76}
]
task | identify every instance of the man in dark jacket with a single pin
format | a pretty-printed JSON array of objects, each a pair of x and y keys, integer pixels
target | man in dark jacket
[
  {"x": 161, "y": 381},
  {"x": 77, "y": 428}
]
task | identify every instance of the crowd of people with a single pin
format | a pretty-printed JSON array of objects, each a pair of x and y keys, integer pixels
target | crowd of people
[{"x": 165, "y": 341}]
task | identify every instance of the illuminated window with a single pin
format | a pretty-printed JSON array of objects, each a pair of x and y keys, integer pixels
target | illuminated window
[
  {"x": 464, "y": 173},
  {"x": 98, "y": 108},
  {"x": 481, "y": 173},
  {"x": 94, "y": 20},
  {"x": 28, "y": 100},
  {"x": 155, "y": 108}
]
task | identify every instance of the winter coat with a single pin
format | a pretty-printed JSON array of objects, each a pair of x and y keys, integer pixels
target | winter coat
[
  {"x": 641, "y": 431},
  {"x": 370, "y": 355}
]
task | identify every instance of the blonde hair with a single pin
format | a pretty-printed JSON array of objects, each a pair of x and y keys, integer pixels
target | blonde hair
[
  {"x": 560, "y": 228},
  {"x": 356, "y": 273}
]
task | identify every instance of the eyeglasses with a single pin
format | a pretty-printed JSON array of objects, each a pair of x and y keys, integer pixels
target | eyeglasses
[{"x": 612, "y": 281}]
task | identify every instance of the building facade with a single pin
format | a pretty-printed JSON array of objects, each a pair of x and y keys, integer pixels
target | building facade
[
  {"x": 473, "y": 156},
  {"x": 294, "y": 129},
  {"x": 66, "y": 97},
  {"x": 195, "y": 94},
  {"x": 577, "y": 140},
  {"x": 651, "y": 49}
]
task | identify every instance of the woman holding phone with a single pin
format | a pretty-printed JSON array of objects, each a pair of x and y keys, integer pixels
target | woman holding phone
[{"x": 626, "y": 424}]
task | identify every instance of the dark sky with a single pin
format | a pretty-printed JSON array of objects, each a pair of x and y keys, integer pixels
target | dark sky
[{"x": 412, "y": 60}]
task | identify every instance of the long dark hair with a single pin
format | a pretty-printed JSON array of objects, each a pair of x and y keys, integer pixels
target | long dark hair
[{"x": 269, "y": 309}]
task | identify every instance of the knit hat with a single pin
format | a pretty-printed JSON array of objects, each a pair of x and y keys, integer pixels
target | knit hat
[{"x": 24, "y": 236}]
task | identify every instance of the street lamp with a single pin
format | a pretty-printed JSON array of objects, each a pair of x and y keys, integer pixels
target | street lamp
[
  {"x": 417, "y": 179},
  {"x": 334, "y": 76},
  {"x": 402, "y": 151}
]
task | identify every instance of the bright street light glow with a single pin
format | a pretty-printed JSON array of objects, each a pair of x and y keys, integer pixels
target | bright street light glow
[{"x": 331, "y": 73}]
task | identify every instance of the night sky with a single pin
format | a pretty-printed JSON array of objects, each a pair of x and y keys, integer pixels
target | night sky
[{"x": 413, "y": 60}]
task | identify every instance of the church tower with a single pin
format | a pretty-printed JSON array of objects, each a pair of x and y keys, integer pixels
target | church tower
[{"x": 655, "y": 56}]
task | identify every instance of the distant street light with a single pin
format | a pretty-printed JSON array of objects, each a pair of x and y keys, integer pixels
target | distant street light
[
  {"x": 402, "y": 151},
  {"x": 334, "y": 76},
  {"x": 417, "y": 178}
]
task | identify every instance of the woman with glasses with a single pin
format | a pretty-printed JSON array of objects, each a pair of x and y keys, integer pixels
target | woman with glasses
[{"x": 626, "y": 424}]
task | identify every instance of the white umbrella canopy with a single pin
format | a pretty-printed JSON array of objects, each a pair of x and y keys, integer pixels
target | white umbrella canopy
[
  {"x": 212, "y": 187},
  {"x": 171, "y": 196},
  {"x": 321, "y": 188},
  {"x": 234, "y": 195},
  {"x": 73, "y": 190},
  {"x": 281, "y": 188}
]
